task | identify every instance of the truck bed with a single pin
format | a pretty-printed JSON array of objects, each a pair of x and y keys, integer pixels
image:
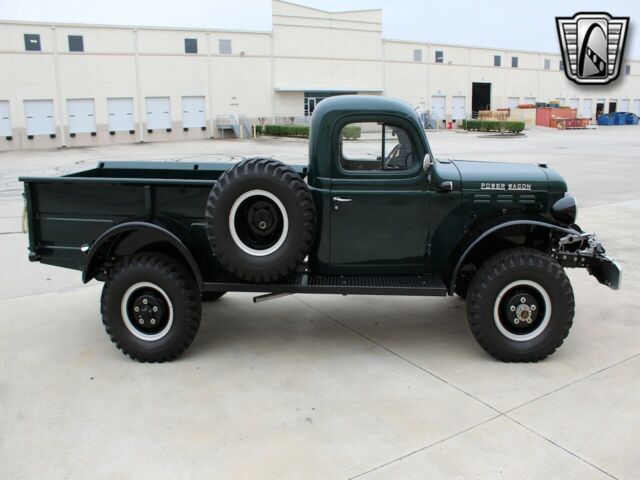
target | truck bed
[{"x": 69, "y": 211}]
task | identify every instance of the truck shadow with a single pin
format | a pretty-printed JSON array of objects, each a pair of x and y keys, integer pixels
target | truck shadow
[{"x": 334, "y": 324}]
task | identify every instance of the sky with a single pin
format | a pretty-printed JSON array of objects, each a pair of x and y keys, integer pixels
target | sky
[{"x": 518, "y": 25}]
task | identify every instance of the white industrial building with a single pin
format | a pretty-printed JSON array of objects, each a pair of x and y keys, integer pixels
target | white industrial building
[{"x": 72, "y": 84}]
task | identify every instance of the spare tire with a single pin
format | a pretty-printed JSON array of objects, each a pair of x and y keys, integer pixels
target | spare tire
[{"x": 260, "y": 220}]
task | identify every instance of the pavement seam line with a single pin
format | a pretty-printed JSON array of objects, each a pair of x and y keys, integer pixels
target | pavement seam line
[
  {"x": 388, "y": 350},
  {"x": 353, "y": 330},
  {"x": 426, "y": 447},
  {"x": 604, "y": 369},
  {"x": 559, "y": 446}
]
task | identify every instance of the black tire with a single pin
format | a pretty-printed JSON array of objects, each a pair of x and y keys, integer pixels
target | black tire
[
  {"x": 211, "y": 296},
  {"x": 528, "y": 277},
  {"x": 464, "y": 280},
  {"x": 260, "y": 220},
  {"x": 461, "y": 289},
  {"x": 167, "y": 286}
]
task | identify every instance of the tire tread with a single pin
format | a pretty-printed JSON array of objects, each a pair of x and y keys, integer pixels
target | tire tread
[{"x": 492, "y": 268}]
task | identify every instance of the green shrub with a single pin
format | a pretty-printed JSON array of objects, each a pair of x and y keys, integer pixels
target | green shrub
[
  {"x": 351, "y": 132},
  {"x": 259, "y": 130},
  {"x": 493, "y": 126},
  {"x": 301, "y": 131}
]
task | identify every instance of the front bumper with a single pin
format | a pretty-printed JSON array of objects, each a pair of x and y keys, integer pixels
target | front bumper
[{"x": 583, "y": 250}]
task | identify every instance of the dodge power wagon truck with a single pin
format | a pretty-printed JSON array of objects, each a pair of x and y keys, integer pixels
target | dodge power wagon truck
[{"x": 373, "y": 213}]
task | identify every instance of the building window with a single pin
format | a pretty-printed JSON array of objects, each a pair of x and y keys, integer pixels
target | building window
[
  {"x": 439, "y": 56},
  {"x": 224, "y": 47},
  {"x": 386, "y": 148},
  {"x": 514, "y": 62},
  {"x": 547, "y": 64},
  {"x": 32, "y": 42},
  {"x": 417, "y": 55},
  {"x": 627, "y": 69},
  {"x": 190, "y": 45},
  {"x": 497, "y": 60},
  {"x": 561, "y": 65},
  {"x": 76, "y": 43}
]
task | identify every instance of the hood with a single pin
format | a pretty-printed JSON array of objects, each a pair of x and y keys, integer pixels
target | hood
[{"x": 498, "y": 176}]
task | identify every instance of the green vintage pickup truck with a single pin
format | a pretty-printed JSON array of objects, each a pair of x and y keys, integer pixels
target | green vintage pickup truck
[{"x": 373, "y": 213}]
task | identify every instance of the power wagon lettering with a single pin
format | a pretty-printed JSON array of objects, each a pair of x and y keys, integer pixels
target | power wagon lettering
[{"x": 506, "y": 186}]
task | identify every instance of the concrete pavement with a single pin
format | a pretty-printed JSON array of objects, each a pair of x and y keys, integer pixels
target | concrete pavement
[{"x": 326, "y": 386}]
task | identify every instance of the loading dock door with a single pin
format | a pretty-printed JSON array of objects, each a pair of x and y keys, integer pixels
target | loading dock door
[
  {"x": 612, "y": 105},
  {"x": 438, "y": 106},
  {"x": 636, "y": 106},
  {"x": 587, "y": 108},
  {"x": 5, "y": 119},
  {"x": 158, "y": 112},
  {"x": 193, "y": 112},
  {"x": 458, "y": 108},
  {"x": 530, "y": 100},
  {"x": 513, "y": 102},
  {"x": 480, "y": 97},
  {"x": 82, "y": 115},
  {"x": 39, "y": 117},
  {"x": 574, "y": 103},
  {"x": 624, "y": 105},
  {"x": 120, "y": 114}
]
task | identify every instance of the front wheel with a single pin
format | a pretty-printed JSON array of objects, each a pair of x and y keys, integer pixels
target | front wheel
[
  {"x": 520, "y": 305},
  {"x": 151, "y": 307}
]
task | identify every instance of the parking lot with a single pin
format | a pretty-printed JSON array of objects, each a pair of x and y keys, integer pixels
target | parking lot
[{"x": 325, "y": 386}]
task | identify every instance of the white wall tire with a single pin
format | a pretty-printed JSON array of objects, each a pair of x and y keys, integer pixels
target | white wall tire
[
  {"x": 501, "y": 300},
  {"x": 128, "y": 316},
  {"x": 256, "y": 193},
  {"x": 260, "y": 220},
  {"x": 166, "y": 283},
  {"x": 541, "y": 325}
]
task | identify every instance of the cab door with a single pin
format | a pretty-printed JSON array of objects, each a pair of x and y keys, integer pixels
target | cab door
[{"x": 379, "y": 199}]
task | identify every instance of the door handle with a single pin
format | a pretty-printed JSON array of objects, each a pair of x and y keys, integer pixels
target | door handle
[{"x": 340, "y": 199}]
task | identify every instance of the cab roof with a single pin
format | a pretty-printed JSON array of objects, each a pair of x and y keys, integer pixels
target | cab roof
[{"x": 362, "y": 104}]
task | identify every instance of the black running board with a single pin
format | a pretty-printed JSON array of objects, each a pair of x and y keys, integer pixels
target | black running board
[{"x": 407, "y": 285}]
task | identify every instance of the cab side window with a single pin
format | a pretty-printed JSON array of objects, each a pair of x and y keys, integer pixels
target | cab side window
[{"x": 373, "y": 146}]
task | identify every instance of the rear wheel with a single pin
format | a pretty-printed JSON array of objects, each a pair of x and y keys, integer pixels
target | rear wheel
[
  {"x": 151, "y": 307},
  {"x": 520, "y": 305}
]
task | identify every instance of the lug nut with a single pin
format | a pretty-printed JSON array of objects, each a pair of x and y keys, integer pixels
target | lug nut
[
  {"x": 136, "y": 309},
  {"x": 141, "y": 321},
  {"x": 145, "y": 301},
  {"x": 513, "y": 308},
  {"x": 533, "y": 308},
  {"x": 523, "y": 300},
  {"x": 516, "y": 321},
  {"x": 153, "y": 321},
  {"x": 155, "y": 309}
]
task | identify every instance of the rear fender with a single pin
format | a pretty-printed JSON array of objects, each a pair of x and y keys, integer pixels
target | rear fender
[{"x": 127, "y": 238}]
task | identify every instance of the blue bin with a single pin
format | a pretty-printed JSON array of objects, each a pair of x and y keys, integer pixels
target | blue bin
[
  {"x": 619, "y": 118},
  {"x": 631, "y": 119},
  {"x": 606, "y": 119}
]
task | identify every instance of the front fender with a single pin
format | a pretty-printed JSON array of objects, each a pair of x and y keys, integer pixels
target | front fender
[
  {"x": 467, "y": 245},
  {"x": 104, "y": 246}
]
